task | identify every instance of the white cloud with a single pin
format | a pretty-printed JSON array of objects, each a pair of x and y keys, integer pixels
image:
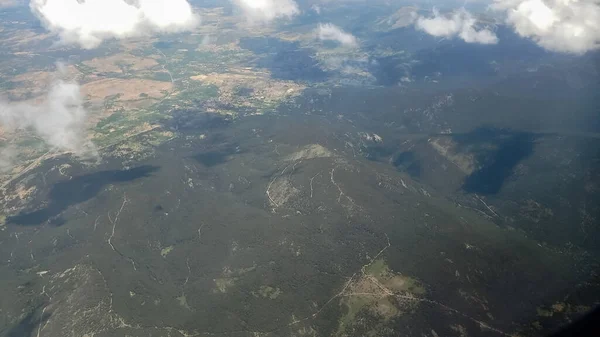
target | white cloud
[
  {"x": 331, "y": 32},
  {"x": 571, "y": 26},
  {"x": 207, "y": 40},
  {"x": 459, "y": 24},
  {"x": 89, "y": 22},
  {"x": 59, "y": 119},
  {"x": 7, "y": 158},
  {"x": 267, "y": 10}
]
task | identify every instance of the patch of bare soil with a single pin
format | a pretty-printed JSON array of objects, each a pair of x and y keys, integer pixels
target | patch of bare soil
[
  {"x": 22, "y": 37},
  {"x": 447, "y": 148},
  {"x": 79, "y": 303},
  {"x": 309, "y": 152},
  {"x": 127, "y": 89},
  {"x": 35, "y": 84},
  {"x": 281, "y": 190},
  {"x": 120, "y": 62}
]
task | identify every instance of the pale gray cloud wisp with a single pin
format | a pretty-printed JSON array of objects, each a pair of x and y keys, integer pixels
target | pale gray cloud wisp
[
  {"x": 331, "y": 32},
  {"x": 88, "y": 23},
  {"x": 59, "y": 118},
  {"x": 7, "y": 158},
  {"x": 459, "y": 24}
]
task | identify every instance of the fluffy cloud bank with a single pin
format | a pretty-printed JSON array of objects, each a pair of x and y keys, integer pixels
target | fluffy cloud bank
[
  {"x": 459, "y": 24},
  {"x": 571, "y": 26},
  {"x": 89, "y": 22},
  {"x": 267, "y": 10},
  {"x": 331, "y": 32},
  {"x": 59, "y": 119}
]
